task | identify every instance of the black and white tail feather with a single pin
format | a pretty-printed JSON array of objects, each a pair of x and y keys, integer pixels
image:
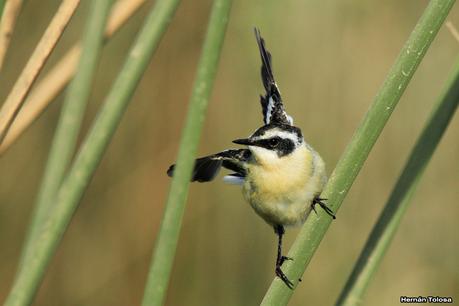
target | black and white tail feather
[
  {"x": 206, "y": 168},
  {"x": 271, "y": 102}
]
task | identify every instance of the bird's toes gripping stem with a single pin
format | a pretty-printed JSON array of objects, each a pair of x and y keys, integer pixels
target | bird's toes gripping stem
[
  {"x": 324, "y": 206},
  {"x": 280, "y": 273},
  {"x": 284, "y": 258},
  {"x": 283, "y": 277},
  {"x": 279, "y": 230}
]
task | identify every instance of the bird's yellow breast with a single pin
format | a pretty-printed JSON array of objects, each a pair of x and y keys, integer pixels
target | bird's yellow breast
[
  {"x": 281, "y": 190},
  {"x": 282, "y": 175}
]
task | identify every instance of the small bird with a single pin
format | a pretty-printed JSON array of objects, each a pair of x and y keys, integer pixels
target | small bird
[{"x": 281, "y": 175}]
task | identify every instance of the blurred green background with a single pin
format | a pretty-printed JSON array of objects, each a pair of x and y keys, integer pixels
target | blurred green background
[{"x": 330, "y": 57}]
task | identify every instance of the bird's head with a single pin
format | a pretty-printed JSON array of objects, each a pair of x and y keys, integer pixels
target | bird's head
[{"x": 271, "y": 143}]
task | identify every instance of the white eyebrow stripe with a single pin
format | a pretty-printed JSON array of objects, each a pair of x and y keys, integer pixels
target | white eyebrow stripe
[{"x": 279, "y": 133}]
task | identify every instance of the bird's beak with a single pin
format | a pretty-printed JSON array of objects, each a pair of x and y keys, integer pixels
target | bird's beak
[{"x": 243, "y": 141}]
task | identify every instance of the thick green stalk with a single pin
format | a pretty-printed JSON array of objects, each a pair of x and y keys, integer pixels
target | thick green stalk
[
  {"x": 68, "y": 127},
  {"x": 166, "y": 244},
  {"x": 385, "y": 228},
  {"x": 359, "y": 147},
  {"x": 88, "y": 158}
]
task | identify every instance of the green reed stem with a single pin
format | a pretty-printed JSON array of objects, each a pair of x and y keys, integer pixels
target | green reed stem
[
  {"x": 2, "y": 6},
  {"x": 68, "y": 127},
  {"x": 90, "y": 154},
  {"x": 359, "y": 147},
  {"x": 385, "y": 228},
  {"x": 166, "y": 243}
]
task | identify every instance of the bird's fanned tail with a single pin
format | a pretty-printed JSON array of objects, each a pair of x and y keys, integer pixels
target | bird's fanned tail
[{"x": 271, "y": 102}]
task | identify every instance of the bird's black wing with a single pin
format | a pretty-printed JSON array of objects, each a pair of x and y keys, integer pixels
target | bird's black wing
[
  {"x": 271, "y": 102},
  {"x": 206, "y": 168}
]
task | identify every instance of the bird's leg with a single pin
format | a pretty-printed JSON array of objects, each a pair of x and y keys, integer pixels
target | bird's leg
[
  {"x": 318, "y": 200},
  {"x": 279, "y": 229}
]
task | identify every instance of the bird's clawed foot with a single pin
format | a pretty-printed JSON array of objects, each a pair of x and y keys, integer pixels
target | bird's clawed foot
[
  {"x": 281, "y": 274},
  {"x": 279, "y": 229},
  {"x": 283, "y": 277},
  {"x": 323, "y": 205}
]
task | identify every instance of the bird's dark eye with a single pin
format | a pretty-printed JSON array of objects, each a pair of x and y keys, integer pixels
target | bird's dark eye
[{"x": 273, "y": 142}]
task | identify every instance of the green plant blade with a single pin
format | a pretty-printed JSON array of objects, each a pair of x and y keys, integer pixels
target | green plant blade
[
  {"x": 385, "y": 228},
  {"x": 2, "y": 6},
  {"x": 166, "y": 244},
  {"x": 68, "y": 127},
  {"x": 74, "y": 184},
  {"x": 359, "y": 147}
]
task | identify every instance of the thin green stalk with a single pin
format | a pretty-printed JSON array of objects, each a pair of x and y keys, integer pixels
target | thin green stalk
[
  {"x": 2, "y": 6},
  {"x": 91, "y": 152},
  {"x": 68, "y": 127},
  {"x": 385, "y": 228},
  {"x": 166, "y": 244},
  {"x": 360, "y": 146}
]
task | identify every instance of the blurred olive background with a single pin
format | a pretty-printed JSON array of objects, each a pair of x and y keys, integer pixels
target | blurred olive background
[{"x": 330, "y": 57}]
